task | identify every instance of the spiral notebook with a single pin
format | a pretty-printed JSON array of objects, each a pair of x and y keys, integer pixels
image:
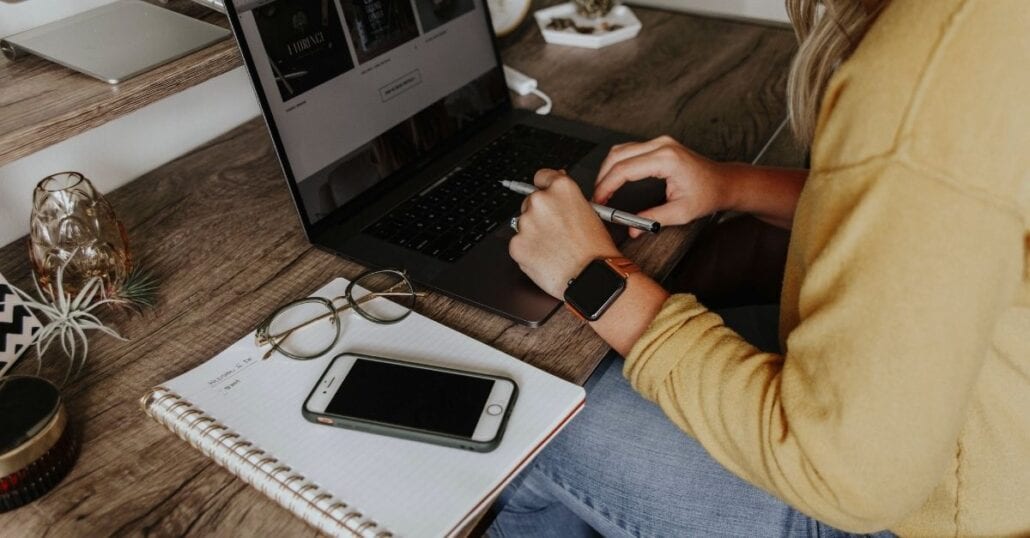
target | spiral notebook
[{"x": 245, "y": 414}]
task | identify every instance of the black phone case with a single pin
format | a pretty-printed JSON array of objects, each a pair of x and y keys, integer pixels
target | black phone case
[{"x": 402, "y": 432}]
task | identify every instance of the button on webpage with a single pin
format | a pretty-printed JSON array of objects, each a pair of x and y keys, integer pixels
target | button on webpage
[
  {"x": 400, "y": 85},
  {"x": 494, "y": 409}
]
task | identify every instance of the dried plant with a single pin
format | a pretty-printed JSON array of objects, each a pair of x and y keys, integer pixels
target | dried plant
[
  {"x": 594, "y": 8},
  {"x": 68, "y": 319},
  {"x": 138, "y": 291}
]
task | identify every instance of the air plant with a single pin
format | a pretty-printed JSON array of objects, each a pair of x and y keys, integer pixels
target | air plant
[
  {"x": 69, "y": 317},
  {"x": 138, "y": 291}
]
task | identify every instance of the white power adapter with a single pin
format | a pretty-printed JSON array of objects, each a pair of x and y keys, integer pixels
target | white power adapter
[
  {"x": 518, "y": 81},
  {"x": 523, "y": 84}
]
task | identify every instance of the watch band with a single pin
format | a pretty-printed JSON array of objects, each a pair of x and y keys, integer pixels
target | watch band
[{"x": 622, "y": 265}]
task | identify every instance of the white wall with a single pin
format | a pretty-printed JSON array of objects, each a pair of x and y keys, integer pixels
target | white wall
[{"x": 128, "y": 147}]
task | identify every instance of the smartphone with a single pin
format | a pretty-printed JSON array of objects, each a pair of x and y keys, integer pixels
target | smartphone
[{"x": 412, "y": 401}]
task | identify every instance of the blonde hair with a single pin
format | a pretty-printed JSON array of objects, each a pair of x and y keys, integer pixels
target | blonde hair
[{"x": 828, "y": 32}]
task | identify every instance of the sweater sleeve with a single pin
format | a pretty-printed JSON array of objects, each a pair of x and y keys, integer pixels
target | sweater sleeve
[{"x": 859, "y": 420}]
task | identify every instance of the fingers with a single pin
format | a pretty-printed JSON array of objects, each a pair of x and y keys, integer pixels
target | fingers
[
  {"x": 545, "y": 177},
  {"x": 552, "y": 185},
  {"x": 621, "y": 152},
  {"x": 515, "y": 250},
  {"x": 656, "y": 163}
]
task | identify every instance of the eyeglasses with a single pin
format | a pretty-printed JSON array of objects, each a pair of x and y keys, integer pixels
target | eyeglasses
[{"x": 310, "y": 327}]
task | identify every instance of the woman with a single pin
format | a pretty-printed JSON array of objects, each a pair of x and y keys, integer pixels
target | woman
[{"x": 901, "y": 398}]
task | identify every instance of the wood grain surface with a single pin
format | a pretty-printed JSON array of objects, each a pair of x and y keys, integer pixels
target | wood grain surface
[
  {"x": 42, "y": 103},
  {"x": 218, "y": 228}
]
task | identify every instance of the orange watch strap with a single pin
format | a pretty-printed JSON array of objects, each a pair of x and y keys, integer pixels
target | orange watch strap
[{"x": 622, "y": 266}]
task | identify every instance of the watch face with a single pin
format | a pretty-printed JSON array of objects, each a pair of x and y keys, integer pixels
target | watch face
[{"x": 594, "y": 289}]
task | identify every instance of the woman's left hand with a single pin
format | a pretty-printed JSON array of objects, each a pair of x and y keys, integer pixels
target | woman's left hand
[{"x": 558, "y": 233}]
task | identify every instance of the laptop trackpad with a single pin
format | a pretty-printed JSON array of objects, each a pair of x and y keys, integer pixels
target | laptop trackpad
[{"x": 488, "y": 277}]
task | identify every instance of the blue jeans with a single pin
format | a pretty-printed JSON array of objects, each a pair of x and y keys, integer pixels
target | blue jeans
[{"x": 621, "y": 468}]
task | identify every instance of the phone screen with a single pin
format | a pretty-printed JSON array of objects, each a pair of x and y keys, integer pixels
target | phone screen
[{"x": 412, "y": 397}]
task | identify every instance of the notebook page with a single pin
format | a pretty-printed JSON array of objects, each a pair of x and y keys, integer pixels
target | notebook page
[{"x": 412, "y": 488}]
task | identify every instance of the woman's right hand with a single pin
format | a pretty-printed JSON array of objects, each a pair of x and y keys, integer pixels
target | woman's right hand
[{"x": 694, "y": 186}]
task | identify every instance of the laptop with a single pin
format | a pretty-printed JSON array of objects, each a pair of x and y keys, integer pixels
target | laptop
[{"x": 393, "y": 125}]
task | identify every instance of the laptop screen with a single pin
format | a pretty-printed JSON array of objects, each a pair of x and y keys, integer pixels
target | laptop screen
[{"x": 355, "y": 90}]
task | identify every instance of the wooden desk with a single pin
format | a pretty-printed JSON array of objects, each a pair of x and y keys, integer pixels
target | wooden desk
[{"x": 219, "y": 229}]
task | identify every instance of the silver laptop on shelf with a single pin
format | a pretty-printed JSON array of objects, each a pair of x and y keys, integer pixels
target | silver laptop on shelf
[
  {"x": 393, "y": 126},
  {"x": 116, "y": 41}
]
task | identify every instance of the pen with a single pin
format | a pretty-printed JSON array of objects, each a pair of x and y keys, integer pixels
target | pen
[{"x": 607, "y": 214}]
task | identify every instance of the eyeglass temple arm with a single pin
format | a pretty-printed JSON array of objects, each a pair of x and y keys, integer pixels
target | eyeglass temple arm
[{"x": 276, "y": 338}]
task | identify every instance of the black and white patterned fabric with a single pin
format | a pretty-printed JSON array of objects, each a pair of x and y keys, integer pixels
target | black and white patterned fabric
[{"x": 17, "y": 326}]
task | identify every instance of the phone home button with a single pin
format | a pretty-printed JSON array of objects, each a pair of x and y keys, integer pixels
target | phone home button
[{"x": 494, "y": 409}]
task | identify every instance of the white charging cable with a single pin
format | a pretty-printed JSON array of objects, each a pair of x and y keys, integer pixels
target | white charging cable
[
  {"x": 523, "y": 84},
  {"x": 546, "y": 108}
]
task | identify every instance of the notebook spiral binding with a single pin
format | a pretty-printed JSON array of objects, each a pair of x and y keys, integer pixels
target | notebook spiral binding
[{"x": 257, "y": 468}]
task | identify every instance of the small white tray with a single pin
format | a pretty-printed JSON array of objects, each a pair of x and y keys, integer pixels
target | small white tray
[{"x": 627, "y": 23}]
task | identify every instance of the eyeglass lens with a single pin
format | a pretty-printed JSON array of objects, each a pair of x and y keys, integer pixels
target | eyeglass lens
[
  {"x": 305, "y": 329},
  {"x": 311, "y": 327},
  {"x": 383, "y": 296}
]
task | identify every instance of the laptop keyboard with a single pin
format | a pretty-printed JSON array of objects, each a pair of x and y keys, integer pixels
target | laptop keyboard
[{"x": 446, "y": 220}]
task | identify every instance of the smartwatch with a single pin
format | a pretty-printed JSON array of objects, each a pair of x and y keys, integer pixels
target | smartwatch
[{"x": 598, "y": 286}]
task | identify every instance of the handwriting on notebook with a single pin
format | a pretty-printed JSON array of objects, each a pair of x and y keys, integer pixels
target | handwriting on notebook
[{"x": 229, "y": 378}]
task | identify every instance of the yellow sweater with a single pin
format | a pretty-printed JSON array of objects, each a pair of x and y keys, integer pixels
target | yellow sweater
[{"x": 903, "y": 398}]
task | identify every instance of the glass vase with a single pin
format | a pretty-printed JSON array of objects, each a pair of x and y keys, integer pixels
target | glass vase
[{"x": 74, "y": 226}]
